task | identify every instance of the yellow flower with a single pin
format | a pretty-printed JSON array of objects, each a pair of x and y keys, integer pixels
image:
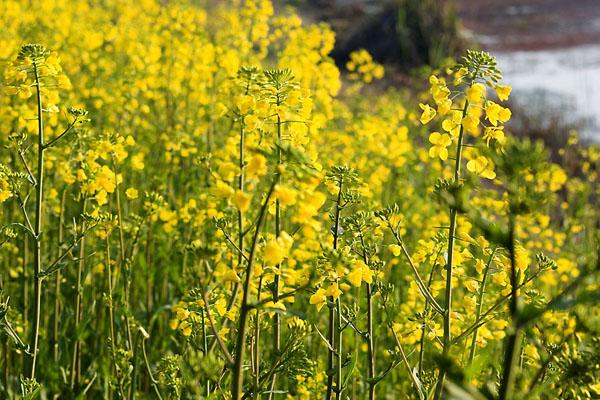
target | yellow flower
[
  {"x": 251, "y": 122},
  {"x": 221, "y": 306},
  {"x": 503, "y": 92},
  {"x": 440, "y": 143},
  {"x": 496, "y": 113},
  {"x": 472, "y": 285},
  {"x": 319, "y": 298},
  {"x": 470, "y": 123},
  {"x": 482, "y": 166},
  {"x": 558, "y": 178},
  {"x": 131, "y": 193},
  {"x": 244, "y": 103},
  {"x": 101, "y": 197},
  {"x": 452, "y": 123},
  {"x": 395, "y": 249},
  {"x": 494, "y": 133},
  {"x": 185, "y": 328},
  {"x": 444, "y": 107},
  {"x": 285, "y": 195},
  {"x": 241, "y": 200},
  {"x": 277, "y": 249},
  {"x": 257, "y": 165},
  {"x": 231, "y": 276},
  {"x": 334, "y": 291},
  {"x": 428, "y": 113},
  {"x": 475, "y": 93}
]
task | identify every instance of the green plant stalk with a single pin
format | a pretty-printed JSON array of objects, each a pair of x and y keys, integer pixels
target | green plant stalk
[
  {"x": 370, "y": 333},
  {"x": 414, "y": 379},
  {"x": 238, "y": 373},
  {"x": 122, "y": 255},
  {"x": 257, "y": 345},
  {"x": 57, "y": 296},
  {"x": 39, "y": 198},
  {"x": 339, "y": 385},
  {"x": 424, "y": 327},
  {"x": 480, "y": 306},
  {"x": 515, "y": 335},
  {"x": 332, "y": 325},
  {"x": 240, "y": 246},
  {"x": 75, "y": 369},
  {"x": 448, "y": 291},
  {"x": 204, "y": 346},
  {"x": 111, "y": 314},
  {"x": 153, "y": 381},
  {"x": 276, "y": 317}
]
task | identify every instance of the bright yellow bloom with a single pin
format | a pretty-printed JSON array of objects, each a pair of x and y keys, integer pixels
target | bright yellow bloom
[
  {"x": 131, "y": 193},
  {"x": 482, "y": 166},
  {"x": 244, "y": 103},
  {"x": 285, "y": 195},
  {"x": 496, "y": 113},
  {"x": 277, "y": 249},
  {"x": 494, "y": 133},
  {"x": 428, "y": 113},
  {"x": 319, "y": 298},
  {"x": 334, "y": 291},
  {"x": 251, "y": 122},
  {"x": 241, "y": 200},
  {"x": 360, "y": 273},
  {"x": 503, "y": 92},
  {"x": 395, "y": 249},
  {"x": 475, "y": 93},
  {"x": 440, "y": 143}
]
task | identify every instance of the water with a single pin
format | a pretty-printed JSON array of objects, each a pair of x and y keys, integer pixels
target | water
[{"x": 566, "y": 78}]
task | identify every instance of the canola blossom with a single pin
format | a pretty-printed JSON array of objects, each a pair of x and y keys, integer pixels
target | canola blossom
[{"x": 197, "y": 203}]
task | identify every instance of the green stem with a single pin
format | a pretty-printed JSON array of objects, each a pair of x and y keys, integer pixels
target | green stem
[
  {"x": 480, "y": 306},
  {"x": 238, "y": 373},
  {"x": 370, "y": 339},
  {"x": 514, "y": 338},
  {"x": 450, "y": 264},
  {"x": 75, "y": 375},
  {"x": 149, "y": 370},
  {"x": 276, "y": 317},
  {"x": 58, "y": 278},
  {"x": 332, "y": 324},
  {"x": 39, "y": 197}
]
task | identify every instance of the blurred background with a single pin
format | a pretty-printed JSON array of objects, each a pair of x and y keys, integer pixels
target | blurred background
[{"x": 549, "y": 50}]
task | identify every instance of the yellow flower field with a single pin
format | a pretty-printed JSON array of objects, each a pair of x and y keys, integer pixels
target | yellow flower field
[{"x": 197, "y": 203}]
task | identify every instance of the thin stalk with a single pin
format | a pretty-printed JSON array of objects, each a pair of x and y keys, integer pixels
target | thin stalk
[
  {"x": 238, "y": 373},
  {"x": 416, "y": 383},
  {"x": 149, "y": 370},
  {"x": 338, "y": 385},
  {"x": 370, "y": 339},
  {"x": 332, "y": 325},
  {"x": 514, "y": 337},
  {"x": 39, "y": 197},
  {"x": 257, "y": 346},
  {"x": 276, "y": 317},
  {"x": 449, "y": 266},
  {"x": 61, "y": 219},
  {"x": 424, "y": 327},
  {"x": 75, "y": 371},
  {"x": 204, "y": 346},
  {"x": 480, "y": 306},
  {"x": 418, "y": 280},
  {"x": 122, "y": 255}
]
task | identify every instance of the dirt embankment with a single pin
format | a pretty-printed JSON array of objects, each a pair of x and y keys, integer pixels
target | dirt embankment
[{"x": 510, "y": 25}]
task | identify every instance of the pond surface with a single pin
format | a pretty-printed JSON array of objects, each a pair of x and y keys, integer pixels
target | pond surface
[
  {"x": 565, "y": 79},
  {"x": 549, "y": 51}
]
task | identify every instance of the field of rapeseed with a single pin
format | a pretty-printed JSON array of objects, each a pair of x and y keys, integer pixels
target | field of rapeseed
[{"x": 196, "y": 202}]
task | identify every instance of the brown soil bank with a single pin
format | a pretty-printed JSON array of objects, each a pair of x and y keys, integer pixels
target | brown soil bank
[{"x": 531, "y": 24}]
